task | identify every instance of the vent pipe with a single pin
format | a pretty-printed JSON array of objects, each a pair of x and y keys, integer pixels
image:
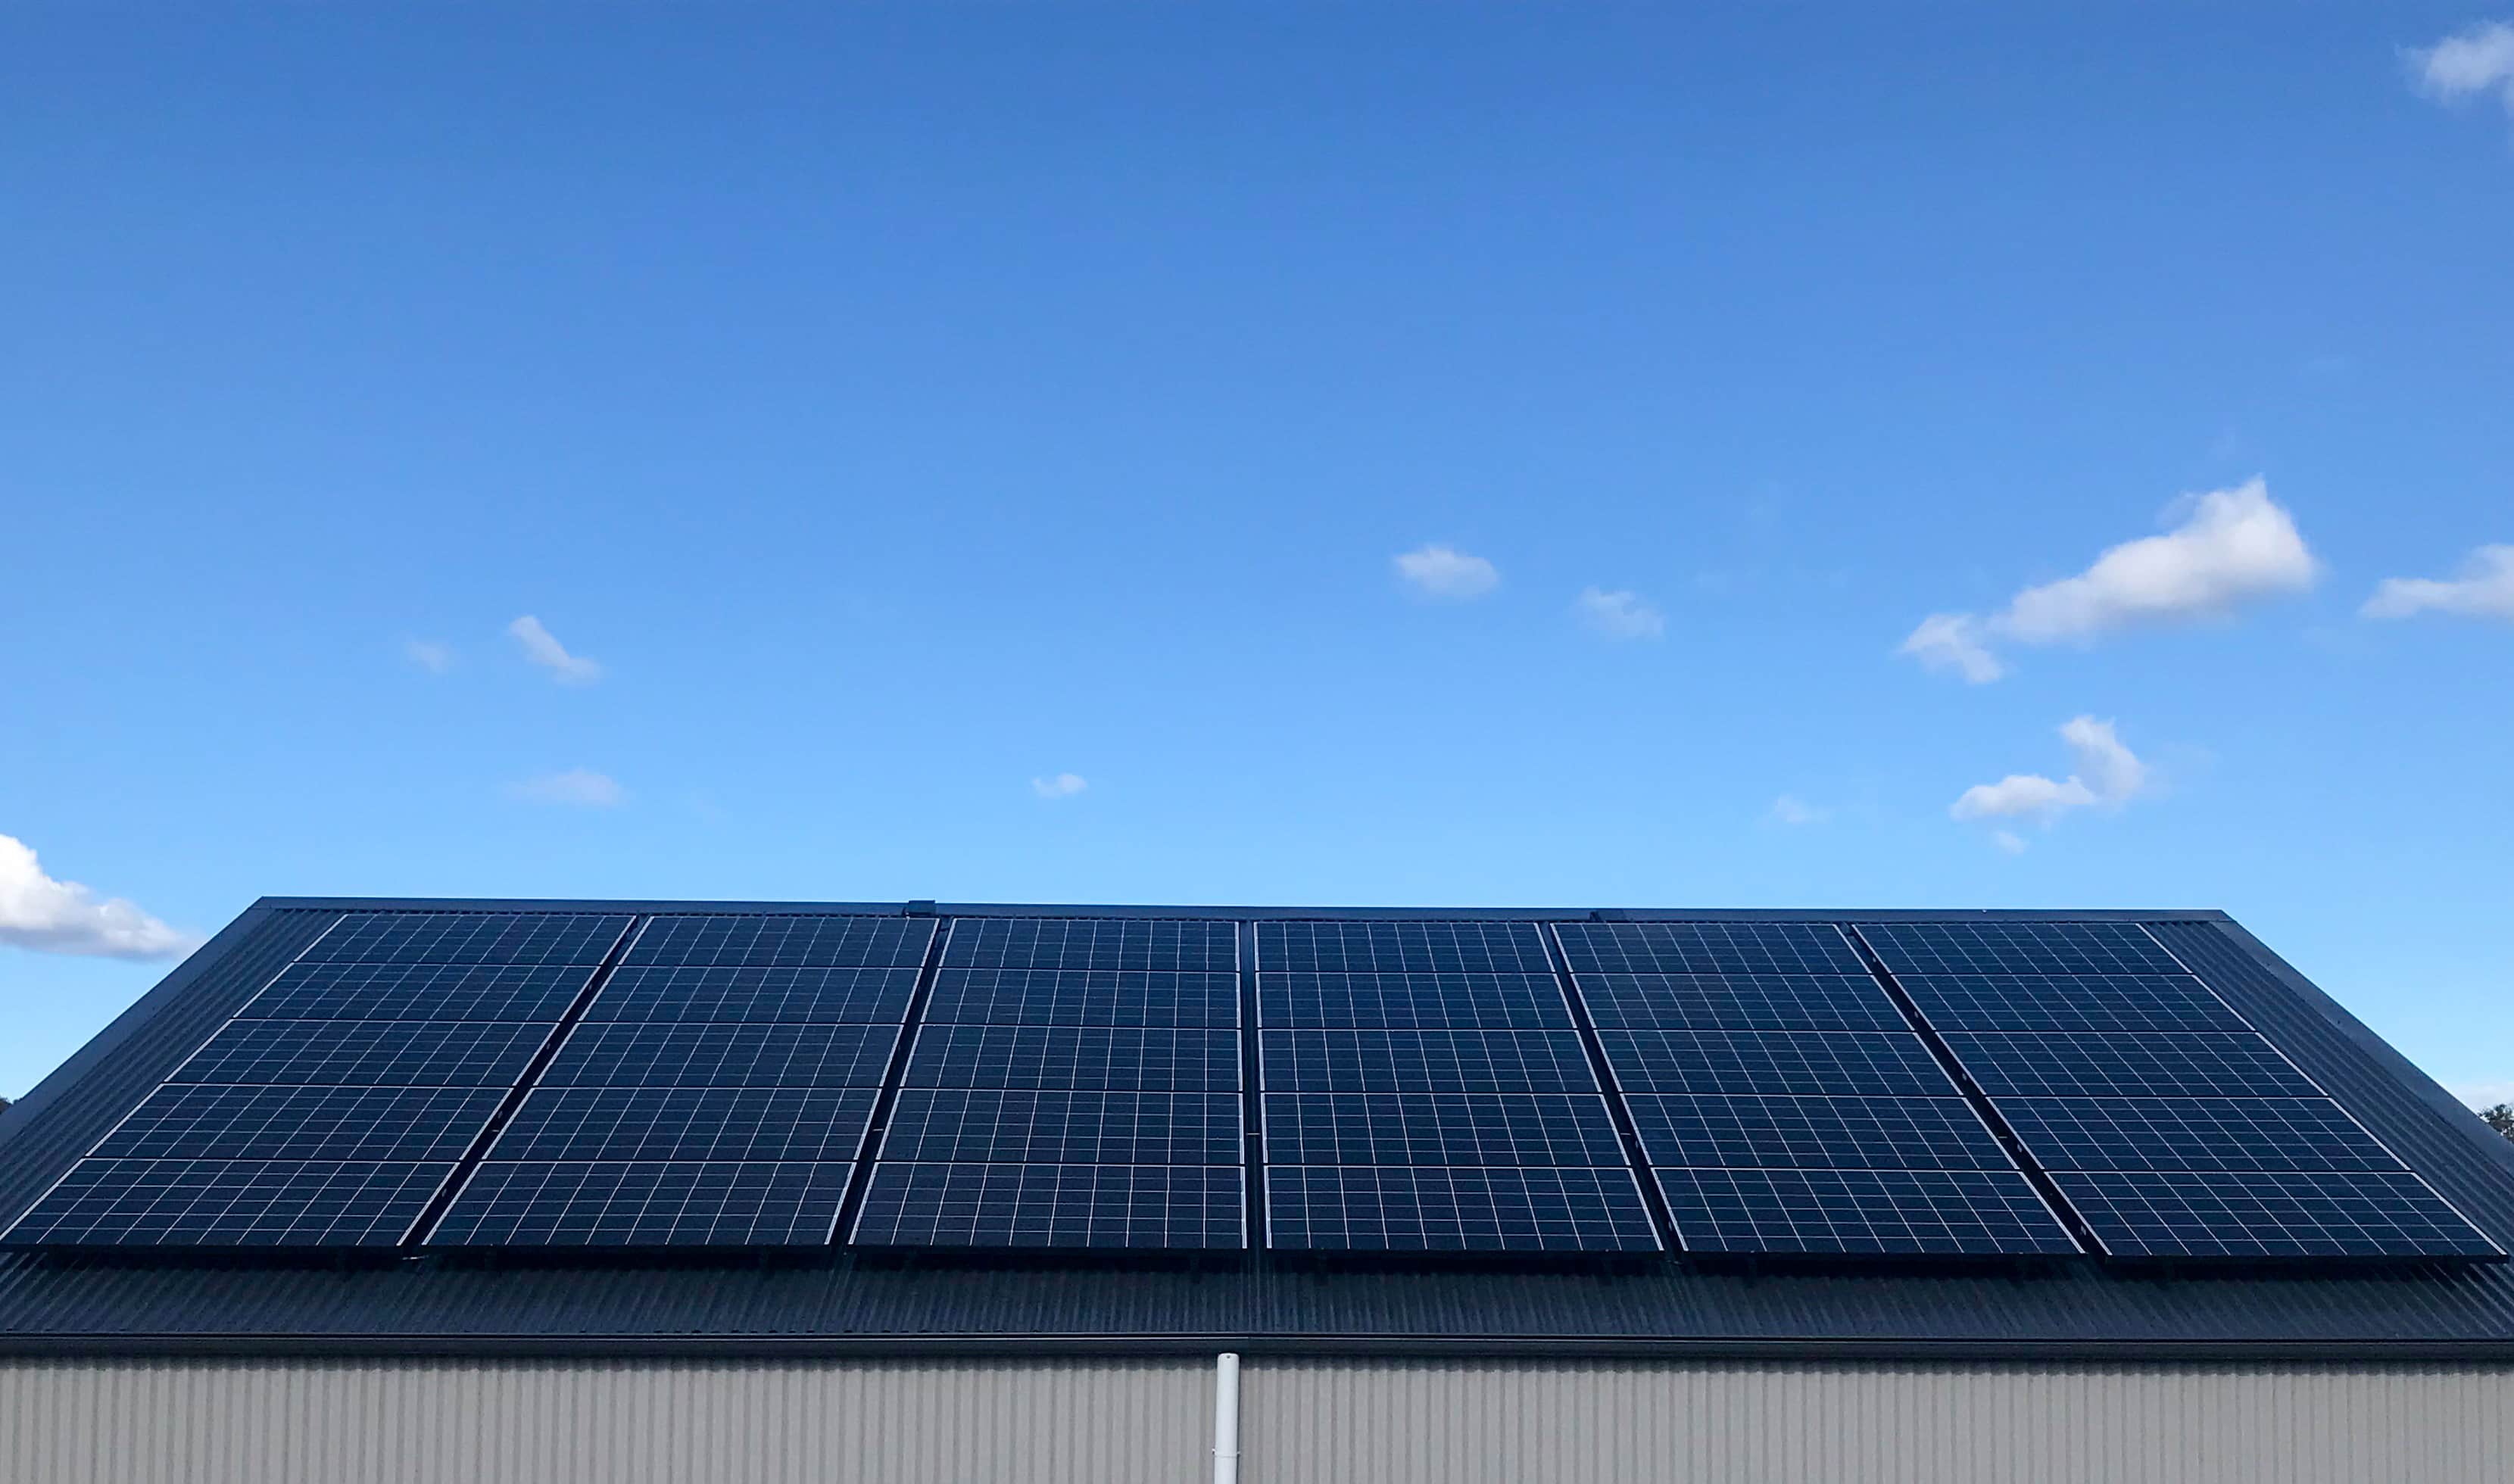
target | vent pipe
[{"x": 1225, "y": 1418}]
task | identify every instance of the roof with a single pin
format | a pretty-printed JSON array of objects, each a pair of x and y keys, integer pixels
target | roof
[{"x": 845, "y": 1303}]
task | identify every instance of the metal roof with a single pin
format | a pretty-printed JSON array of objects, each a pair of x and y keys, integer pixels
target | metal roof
[{"x": 846, "y": 1303}]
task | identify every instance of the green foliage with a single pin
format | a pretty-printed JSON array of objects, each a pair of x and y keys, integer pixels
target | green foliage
[{"x": 2500, "y": 1118}]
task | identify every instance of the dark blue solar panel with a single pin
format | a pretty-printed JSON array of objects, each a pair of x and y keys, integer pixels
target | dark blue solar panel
[
  {"x": 2266, "y": 1214},
  {"x": 334, "y": 1123},
  {"x": 231, "y": 1203},
  {"x": 812, "y": 1125},
  {"x": 1052, "y": 1206},
  {"x": 1861, "y": 1212},
  {"x": 1707, "y": 948},
  {"x": 367, "y": 1053},
  {"x": 1738, "y": 1002},
  {"x": 1404, "y": 948},
  {"x": 1087, "y": 997},
  {"x": 727, "y": 994},
  {"x": 1814, "y": 1133},
  {"x": 2018, "y": 947},
  {"x": 783, "y": 941},
  {"x": 644, "y": 1203},
  {"x": 631, "y": 1055},
  {"x": 953, "y": 1126},
  {"x": 420, "y": 992},
  {"x": 1175, "y": 945},
  {"x": 1425, "y": 1062},
  {"x": 1428, "y": 1208},
  {"x": 2127, "y": 1065},
  {"x": 1440, "y": 1129},
  {"x": 1412, "y": 1001},
  {"x": 2062, "y": 1002},
  {"x": 2194, "y": 1134},
  {"x": 1075, "y": 1058},
  {"x": 1850, "y": 1064},
  {"x": 469, "y": 937}
]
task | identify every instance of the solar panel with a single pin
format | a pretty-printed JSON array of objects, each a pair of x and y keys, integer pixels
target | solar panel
[
  {"x": 1814, "y": 1133},
  {"x": 1176, "y": 945},
  {"x": 1707, "y": 948},
  {"x": 1074, "y": 1059},
  {"x": 783, "y": 941},
  {"x": 1861, "y": 1212},
  {"x": 329, "y": 1123},
  {"x": 1412, "y": 1001},
  {"x": 1088, "y": 997},
  {"x": 957, "y": 1126},
  {"x": 1738, "y": 1002},
  {"x": 816, "y": 1125},
  {"x": 2127, "y": 1065},
  {"x": 1856, "y": 1063},
  {"x": 1404, "y": 948},
  {"x": 2123, "y": 1134},
  {"x": 469, "y": 937},
  {"x": 636, "y": 1055},
  {"x": 723, "y": 993},
  {"x": 1052, "y": 1206},
  {"x": 2018, "y": 947},
  {"x": 2269, "y": 1213},
  {"x": 2067, "y": 1002},
  {"x": 1440, "y": 1129},
  {"x": 1425, "y": 1062},
  {"x": 1431, "y": 1208},
  {"x": 343, "y": 991},
  {"x": 367, "y": 1053},
  {"x": 231, "y": 1203},
  {"x": 644, "y": 1203}
]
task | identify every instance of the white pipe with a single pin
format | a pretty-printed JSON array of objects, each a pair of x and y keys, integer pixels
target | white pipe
[{"x": 1225, "y": 1418}]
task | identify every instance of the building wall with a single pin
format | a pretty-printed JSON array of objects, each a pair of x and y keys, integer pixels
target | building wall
[{"x": 445, "y": 1422}]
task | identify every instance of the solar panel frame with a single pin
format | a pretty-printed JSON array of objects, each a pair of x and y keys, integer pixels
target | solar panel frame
[
  {"x": 1402, "y": 947},
  {"x": 2265, "y": 1215},
  {"x": 2050, "y": 1003},
  {"x": 792, "y": 941},
  {"x": 1707, "y": 948},
  {"x": 1738, "y": 1002},
  {"x": 260, "y": 1203},
  {"x": 364, "y": 991},
  {"x": 1182, "y": 945},
  {"x": 1195, "y": 999},
  {"x": 1453, "y": 1129},
  {"x": 2150, "y": 1064},
  {"x": 416, "y": 937},
  {"x": 1421, "y": 1001},
  {"x": 645, "y": 1204},
  {"x": 730, "y": 1054},
  {"x": 1424, "y": 1061},
  {"x": 1693, "y": 1131},
  {"x": 1062, "y": 1207},
  {"x": 729, "y": 994},
  {"x": 1457, "y": 1208},
  {"x": 1775, "y": 1062},
  {"x": 222, "y": 1121},
  {"x": 1862, "y": 1212},
  {"x": 366, "y": 1053},
  {"x": 2302, "y": 1135},
  {"x": 2018, "y": 948},
  {"x": 1074, "y": 1059},
  {"x": 712, "y": 1125},
  {"x": 983, "y": 1126}
]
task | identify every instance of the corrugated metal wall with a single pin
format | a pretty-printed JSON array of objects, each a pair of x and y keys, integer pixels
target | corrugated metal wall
[{"x": 425, "y": 1421}]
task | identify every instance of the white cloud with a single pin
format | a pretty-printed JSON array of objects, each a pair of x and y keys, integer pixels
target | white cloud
[
  {"x": 580, "y": 786},
  {"x": 543, "y": 648},
  {"x": 1790, "y": 809},
  {"x": 1620, "y": 615},
  {"x": 1440, "y": 572},
  {"x": 1063, "y": 786},
  {"x": 428, "y": 655},
  {"x": 2484, "y": 590},
  {"x": 2475, "y": 62},
  {"x": 2107, "y": 774},
  {"x": 2231, "y": 547},
  {"x": 49, "y": 916},
  {"x": 2009, "y": 840}
]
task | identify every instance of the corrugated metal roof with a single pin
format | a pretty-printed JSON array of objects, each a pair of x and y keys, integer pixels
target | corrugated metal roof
[{"x": 2066, "y": 1308}]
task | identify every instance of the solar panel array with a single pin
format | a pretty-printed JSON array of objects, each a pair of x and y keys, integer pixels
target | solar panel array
[
  {"x": 1785, "y": 1105},
  {"x": 2173, "y": 1127},
  {"x": 1075, "y": 1084},
  {"x": 714, "y": 1094},
  {"x": 1426, "y": 1090},
  {"x": 340, "y": 1099}
]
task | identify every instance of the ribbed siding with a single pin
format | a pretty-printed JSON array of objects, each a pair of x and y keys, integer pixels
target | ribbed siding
[
  {"x": 1391, "y": 1423},
  {"x": 597, "y": 1422}
]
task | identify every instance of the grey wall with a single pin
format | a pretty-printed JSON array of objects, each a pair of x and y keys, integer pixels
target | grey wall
[{"x": 323, "y": 1422}]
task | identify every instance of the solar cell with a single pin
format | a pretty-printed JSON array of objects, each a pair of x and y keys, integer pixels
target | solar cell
[
  {"x": 2018, "y": 947},
  {"x": 1814, "y": 1133},
  {"x": 1428, "y": 1208},
  {"x": 2066, "y": 1002},
  {"x": 793, "y": 940},
  {"x": 1052, "y": 1206},
  {"x": 367, "y": 1053},
  {"x": 644, "y": 1203},
  {"x": 328, "y": 1123},
  {"x": 1173, "y": 944},
  {"x": 628, "y": 1054},
  {"x": 745, "y": 993},
  {"x": 1707, "y": 948},
  {"x": 1738, "y": 1002},
  {"x": 1412, "y": 1001},
  {"x": 956, "y": 1126},
  {"x": 231, "y": 1203},
  {"x": 1404, "y": 948},
  {"x": 1854, "y": 1063},
  {"x": 1440, "y": 1129},
  {"x": 306, "y": 992},
  {"x": 2269, "y": 1213},
  {"x": 814, "y": 1125},
  {"x": 2127, "y": 1065},
  {"x": 1087, "y": 997},
  {"x": 1074, "y": 1059},
  {"x": 1861, "y": 1212},
  {"x": 469, "y": 937},
  {"x": 1425, "y": 1062},
  {"x": 2304, "y": 1134}
]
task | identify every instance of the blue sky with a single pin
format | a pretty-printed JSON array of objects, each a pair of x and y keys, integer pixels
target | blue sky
[{"x": 1391, "y": 455}]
